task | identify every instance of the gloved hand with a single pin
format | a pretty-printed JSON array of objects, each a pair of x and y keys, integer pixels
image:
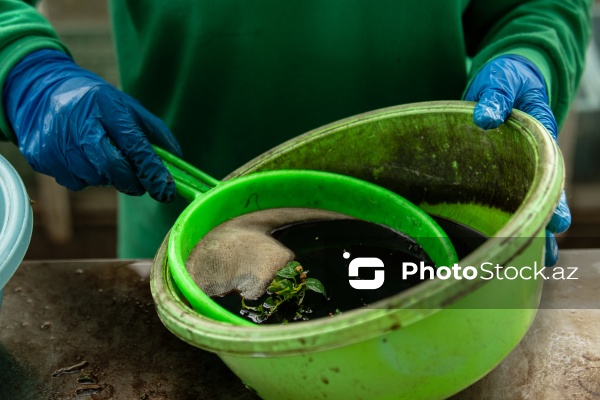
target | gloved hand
[
  {"x": 509, "y": 82},
  {"x": 74, "y": 126}
]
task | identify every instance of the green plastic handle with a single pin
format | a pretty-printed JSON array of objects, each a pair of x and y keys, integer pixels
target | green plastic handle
[{"x": 190, "y": 181}]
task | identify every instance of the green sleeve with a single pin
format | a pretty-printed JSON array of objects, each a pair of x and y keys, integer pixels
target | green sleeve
[
  {"x": 22, "y": 30},
  {"x": 553, "y": 34}
]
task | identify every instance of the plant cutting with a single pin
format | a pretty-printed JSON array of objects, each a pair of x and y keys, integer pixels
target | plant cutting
[{"x": 286, "y": 295}]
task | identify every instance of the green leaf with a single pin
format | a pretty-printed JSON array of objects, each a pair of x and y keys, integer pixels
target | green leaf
[
  {"x": 269, "y": 303},
  {"x": 261, "y": 310},
  {"x": 280, "y": 285},
  {"x": 285, "y": 295},
  {"x": 315, "y": 285},
  {"x": 277, "y": 284},
  {"x": 289, "y": 271}
]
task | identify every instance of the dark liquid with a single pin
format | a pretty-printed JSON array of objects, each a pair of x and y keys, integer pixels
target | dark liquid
[{"x": 326, "y": 248}]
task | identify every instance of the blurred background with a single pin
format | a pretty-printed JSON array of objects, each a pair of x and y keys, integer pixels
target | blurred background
[{"x": 83, "y": 224}]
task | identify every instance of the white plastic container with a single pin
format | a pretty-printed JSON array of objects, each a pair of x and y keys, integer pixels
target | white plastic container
[{"x": 16, "y": 222}]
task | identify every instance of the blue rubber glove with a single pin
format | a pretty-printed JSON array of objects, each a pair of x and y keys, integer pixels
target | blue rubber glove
[
  {"x": 74, "y": 126},
  {"x": 509, "y": 82}
]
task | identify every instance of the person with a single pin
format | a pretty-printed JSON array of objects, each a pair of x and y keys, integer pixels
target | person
[{"x": 226, "y": 81}]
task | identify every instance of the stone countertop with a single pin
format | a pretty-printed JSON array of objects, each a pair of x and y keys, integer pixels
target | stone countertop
[{"x": 88, "y": 328}]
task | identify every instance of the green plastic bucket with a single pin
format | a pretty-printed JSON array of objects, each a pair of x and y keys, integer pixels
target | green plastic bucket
[
  {"x": 438, "y": 337},
  {"x": 214, "y": 202}
]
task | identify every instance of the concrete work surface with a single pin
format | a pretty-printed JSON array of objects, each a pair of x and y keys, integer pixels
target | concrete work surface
[{"x": 88, "y": 329}]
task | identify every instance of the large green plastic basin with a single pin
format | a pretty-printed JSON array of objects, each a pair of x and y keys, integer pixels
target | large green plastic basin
[{"x": 442, "y": 335}]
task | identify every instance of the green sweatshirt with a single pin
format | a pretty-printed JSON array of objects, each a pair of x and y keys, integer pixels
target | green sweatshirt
[{"x": 233, "y": 79}]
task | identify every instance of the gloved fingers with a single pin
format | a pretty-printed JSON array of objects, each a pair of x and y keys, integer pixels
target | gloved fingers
[
  {"x": 69, "y": 181},
  {"x": 551, "y": 250},
  {"x": 66, "y": 179},
  {"x": 74, "y": 126},
  {"x": 134, "y": 145},
  {"x": 119, "y": 173},
  {"x": 492, "y": 108},
  {"x": 535, "y": 103},
  {"x": 98, "y": 162},
  {"x": 561, "y": 219},
  {"x": 82, "y": 163},
  {"x": 154, "y": 127}
]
